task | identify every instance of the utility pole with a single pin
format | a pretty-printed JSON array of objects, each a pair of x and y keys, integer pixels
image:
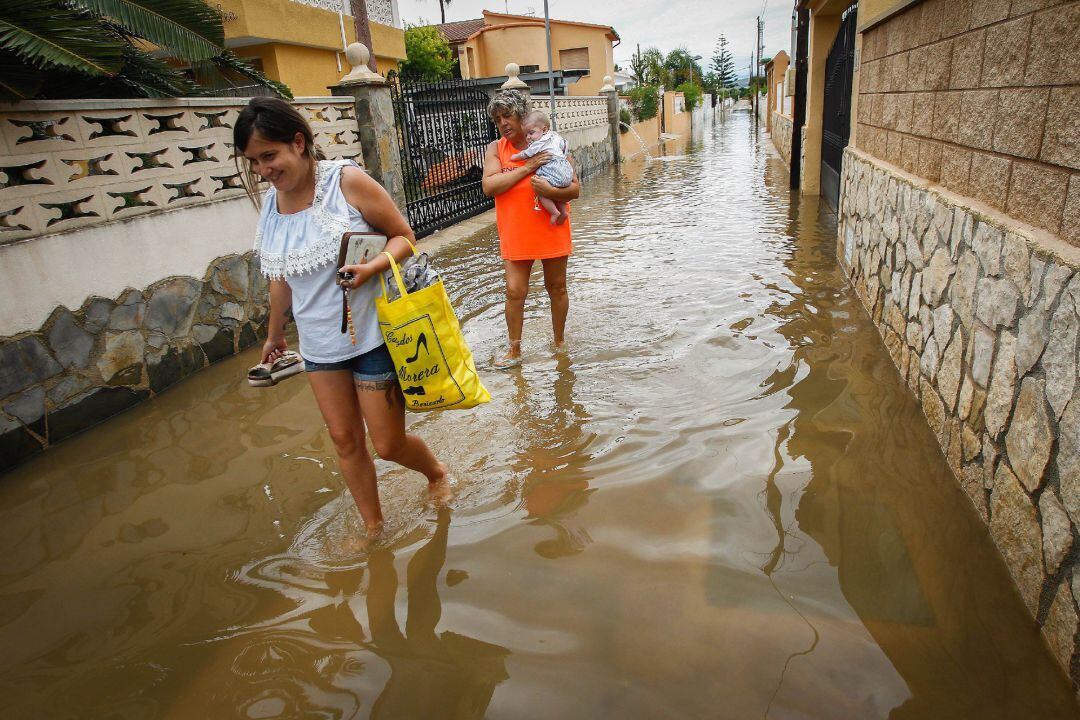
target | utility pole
[
  {"x": 757, "y": 65},
  {"x": 750, "y": 85},
  {"x": 551, "y": 71}
]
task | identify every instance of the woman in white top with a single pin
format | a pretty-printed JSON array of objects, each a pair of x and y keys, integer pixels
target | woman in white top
[{"x": 309, "y": 204}]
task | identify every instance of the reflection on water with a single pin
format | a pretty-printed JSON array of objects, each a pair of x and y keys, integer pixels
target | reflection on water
[{"x": 720, "y": 502}]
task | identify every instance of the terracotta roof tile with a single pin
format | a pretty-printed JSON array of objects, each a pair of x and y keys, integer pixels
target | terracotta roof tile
[{"x": 459, "y": 31}]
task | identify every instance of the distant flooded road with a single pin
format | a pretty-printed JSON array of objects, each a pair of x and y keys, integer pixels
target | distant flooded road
[{"x": 720, "y": 503}]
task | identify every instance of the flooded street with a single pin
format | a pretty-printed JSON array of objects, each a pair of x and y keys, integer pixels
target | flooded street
[{"x": 720, "y": 503}]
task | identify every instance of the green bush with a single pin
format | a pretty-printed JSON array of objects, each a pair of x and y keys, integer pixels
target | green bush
[
  {"x": 691, "y": 94},
  {"x": 643, "y": 102},
  {"x": 429, "y": 56},
  {"x": 625, "y": 117}
]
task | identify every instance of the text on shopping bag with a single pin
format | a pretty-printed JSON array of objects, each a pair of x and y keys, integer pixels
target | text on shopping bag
[{"x": 423, "y": 370}]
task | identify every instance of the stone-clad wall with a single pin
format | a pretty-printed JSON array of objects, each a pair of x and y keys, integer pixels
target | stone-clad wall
[
  {"x": 781, "y": 135},
  {"x": 981, "y": 317},
  {"x": 81, "y": 367},
  {"x": 983, "y": 97}
]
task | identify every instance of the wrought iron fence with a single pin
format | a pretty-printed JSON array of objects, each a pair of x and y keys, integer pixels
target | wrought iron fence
[{"x": 443, "y": 133}]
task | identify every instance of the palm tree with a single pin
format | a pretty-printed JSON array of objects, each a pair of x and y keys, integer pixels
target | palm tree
[
  {"x": 442, "y": 9},
  {"x": 116, "y": 48}
]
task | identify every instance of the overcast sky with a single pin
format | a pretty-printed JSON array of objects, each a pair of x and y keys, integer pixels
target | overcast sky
[{"x": 665, "y": 24}]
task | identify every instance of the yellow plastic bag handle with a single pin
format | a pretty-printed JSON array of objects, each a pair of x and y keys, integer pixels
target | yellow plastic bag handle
[{"x": 397, "y": 276}]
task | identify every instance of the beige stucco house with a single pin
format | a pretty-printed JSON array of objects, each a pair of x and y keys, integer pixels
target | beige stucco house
[
  {"x": 484, "y": 47},
  {"x": 299, "y": 42}
]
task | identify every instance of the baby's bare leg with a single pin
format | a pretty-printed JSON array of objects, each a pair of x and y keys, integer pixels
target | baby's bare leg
[
  {"x": 561, "y": 217},
  {"x": 552, "y": 207}
]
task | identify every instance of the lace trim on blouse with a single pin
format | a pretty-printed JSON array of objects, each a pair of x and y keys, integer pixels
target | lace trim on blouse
[{"x": 330, "y": 226}]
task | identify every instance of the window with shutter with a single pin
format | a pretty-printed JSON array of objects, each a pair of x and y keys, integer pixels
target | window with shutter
[{"x": 574, "y": 59}]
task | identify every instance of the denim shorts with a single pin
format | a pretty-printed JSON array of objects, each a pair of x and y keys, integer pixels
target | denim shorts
[{"x": 373, "y": 366}]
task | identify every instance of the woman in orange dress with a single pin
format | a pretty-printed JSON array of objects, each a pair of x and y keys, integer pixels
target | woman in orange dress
[{"x": 525, "y": 232}]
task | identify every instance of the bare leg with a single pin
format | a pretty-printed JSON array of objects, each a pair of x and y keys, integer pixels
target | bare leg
[
  {"x": 517, "y": 289},
  {"x": 555, "y": 284},
  {"x": 383, "y": 408},
  {"x": 340, "y": 409},
  {"x": 554, "y": 209},
  {"x": 562, "y": 212}
]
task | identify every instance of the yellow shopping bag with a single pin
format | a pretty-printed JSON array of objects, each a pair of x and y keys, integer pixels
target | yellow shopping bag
[{"x": 434, "y": 366}]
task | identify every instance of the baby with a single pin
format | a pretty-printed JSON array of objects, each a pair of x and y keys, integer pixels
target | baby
[{"x": 557, "y": 170}]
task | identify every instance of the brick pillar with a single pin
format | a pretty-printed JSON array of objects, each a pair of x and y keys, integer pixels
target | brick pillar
[
  {"x": 375, "y": 122},
  {"x": 608, "y": 90}
]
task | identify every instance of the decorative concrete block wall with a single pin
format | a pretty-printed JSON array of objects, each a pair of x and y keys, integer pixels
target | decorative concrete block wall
[
  {"x": 66, "y": 165},
  {"x": 781, "y": 135},
  {"x": 981, "y": 316},
  {"x": 983, "y": 98}
]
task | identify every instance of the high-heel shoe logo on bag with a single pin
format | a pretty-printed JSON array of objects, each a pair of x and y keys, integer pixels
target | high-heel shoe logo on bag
[
  {"x": 425, "y": 362},
  {"x": 434, "y": 366}
]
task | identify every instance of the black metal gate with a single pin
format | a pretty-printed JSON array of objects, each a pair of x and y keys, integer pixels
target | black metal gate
[
  {"x": 836, "y": 122},
  {"x": 443, "y": 132}
]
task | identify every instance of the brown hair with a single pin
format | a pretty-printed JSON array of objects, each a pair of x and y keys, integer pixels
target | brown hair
[{"x": 277, "y": 121}]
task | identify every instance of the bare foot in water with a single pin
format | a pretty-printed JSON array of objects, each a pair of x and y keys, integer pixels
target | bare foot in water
[
  {"x": 512, "y": 358},
  {"x": 439, "y": 489},
  {"x": 355, "y": 543}
]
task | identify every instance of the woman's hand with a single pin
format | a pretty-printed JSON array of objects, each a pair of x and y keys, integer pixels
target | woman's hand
[
  {"x": 273, "y": 348},
  {"x": 538, "y": 161},
  {"x": 361, "y": 273},
  {"x": 543, "y": 188}
]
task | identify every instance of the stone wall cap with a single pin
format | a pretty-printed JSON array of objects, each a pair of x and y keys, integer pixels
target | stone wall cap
[
  {"x": 358, "y": 56},
  {"x": 513, "y": 82}
]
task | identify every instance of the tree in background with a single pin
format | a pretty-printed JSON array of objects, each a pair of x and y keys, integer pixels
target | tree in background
[
  {"x": 428, "y": 55},
  {"x": 59, "y": 49},
  {"x": 647, "y": 67},
  {"x": 691, "y": 94},
  {"x": 442, "y": 9},
  {"x": 723, "y": 64},
  {"x": 681, "y": 67},
  {"x": 644, "y": 102}
]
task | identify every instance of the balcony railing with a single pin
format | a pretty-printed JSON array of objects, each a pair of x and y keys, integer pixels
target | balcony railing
[{"x": 384, "y": 12}]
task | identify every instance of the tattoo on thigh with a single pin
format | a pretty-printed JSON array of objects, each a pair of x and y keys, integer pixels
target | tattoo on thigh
[{"x": 373, "y": 385}]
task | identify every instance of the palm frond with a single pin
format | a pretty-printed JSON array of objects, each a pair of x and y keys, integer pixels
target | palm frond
[
  {"x": 18, "y": 81},
  {"x": 53, "y": 35},
  {"x": 227, "y": 62},
  {"x": 142, "y": 76},
  {"x": 149, "y": 77},
  {"x": 188, "y": 29}
]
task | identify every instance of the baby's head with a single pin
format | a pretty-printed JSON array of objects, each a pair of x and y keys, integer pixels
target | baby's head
[{"x": 535, "y": 124}]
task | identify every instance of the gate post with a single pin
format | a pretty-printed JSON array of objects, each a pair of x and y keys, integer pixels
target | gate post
[
  {"x": 374, "y": 121},
  {"x": 612, "y": 95}
]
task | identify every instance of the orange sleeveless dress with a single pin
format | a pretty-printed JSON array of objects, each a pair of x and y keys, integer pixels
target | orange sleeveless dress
[{"x": 525, "y": 233}]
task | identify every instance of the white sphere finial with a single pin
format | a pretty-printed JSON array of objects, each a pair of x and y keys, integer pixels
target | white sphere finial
[
  {"x": 513, "y": 82},
  {"x": 607, "y": 87},
  {"x": 358, "y": 56}
]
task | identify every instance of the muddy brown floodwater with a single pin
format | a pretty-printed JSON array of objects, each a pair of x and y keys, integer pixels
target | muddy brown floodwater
[{"x": 720, "y": 503}]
